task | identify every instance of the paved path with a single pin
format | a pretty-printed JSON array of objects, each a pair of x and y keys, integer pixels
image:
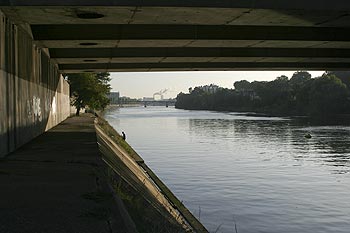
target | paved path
[{"x": 55, "y": 184}]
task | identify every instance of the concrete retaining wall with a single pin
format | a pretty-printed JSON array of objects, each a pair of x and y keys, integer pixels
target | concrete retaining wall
[
  {"x": 34, "y": 97},
  {"x": 131, "y": 168}
]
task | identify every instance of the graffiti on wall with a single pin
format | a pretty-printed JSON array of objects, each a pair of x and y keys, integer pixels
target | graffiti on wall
[
  {"x": 54, "y": 106},
  {"x": 34, "y": 109}
]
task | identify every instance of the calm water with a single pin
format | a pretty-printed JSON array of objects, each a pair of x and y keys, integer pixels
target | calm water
[{"x": 260, "y": 173}]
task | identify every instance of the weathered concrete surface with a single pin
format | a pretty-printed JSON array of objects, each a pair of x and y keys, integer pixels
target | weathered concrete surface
[
  {"x": 34, "y": 97},
  {"x": 254, "y": 4},
  {"x": 55, "y": 184},
  {"x": 311, "y": 30}
]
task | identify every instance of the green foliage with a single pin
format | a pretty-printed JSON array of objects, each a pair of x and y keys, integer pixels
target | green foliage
[
  {"x": 110, "y": 131},
  {"x": 328, "y": 95},
  {"x": 88, "y": 89},
  {"x": 300, "y": 95},
  {"x": 344, "y": 76},
  {"x": 97, "y": 196},
  {"x": 242, "y": 85}
]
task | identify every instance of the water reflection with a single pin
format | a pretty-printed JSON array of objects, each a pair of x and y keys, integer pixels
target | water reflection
[{"x": 329, "y": 145}]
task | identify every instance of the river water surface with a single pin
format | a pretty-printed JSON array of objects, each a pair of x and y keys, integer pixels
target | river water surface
[{"x": 260, "y": 174}]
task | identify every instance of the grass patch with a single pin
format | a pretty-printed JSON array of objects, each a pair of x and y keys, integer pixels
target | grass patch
[
  {"x": 146, "y": 217},
  {"x": 97, "y": 197},
  {"x": 121, "y": 193},
  {"x": 114, "y": 135}
]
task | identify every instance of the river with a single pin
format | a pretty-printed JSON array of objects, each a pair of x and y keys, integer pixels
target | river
[{"x": 259, "y": 174}]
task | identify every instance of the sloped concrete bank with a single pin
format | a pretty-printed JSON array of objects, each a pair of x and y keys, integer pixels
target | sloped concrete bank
[{"x": 151, "y": 205}]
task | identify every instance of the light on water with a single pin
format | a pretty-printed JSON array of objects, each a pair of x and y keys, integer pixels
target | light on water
[{"x": 260, "y": 173}]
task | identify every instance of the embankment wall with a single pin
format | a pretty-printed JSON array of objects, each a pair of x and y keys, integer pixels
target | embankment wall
[
  {"x": 130, "y": 167},
  {"x": 34, "y": 97}
]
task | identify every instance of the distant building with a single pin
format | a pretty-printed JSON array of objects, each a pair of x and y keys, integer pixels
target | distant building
[
  {"x": 248, "y": 93},
  {"x": 148, "y": 99},
  {"x": 212, "y": 88},
  {"x": 113, "y": 97}
]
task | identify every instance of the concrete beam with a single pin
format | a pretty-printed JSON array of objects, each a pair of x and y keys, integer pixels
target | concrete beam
[
  {"x": 198, "y": 52},
  {"x": 192, "y": 43},
  {"x": 326, "y": 5},
  {"x": 177, "y": 16},
  {"x": 198, "y": 59},
  {"x": 188, "y": 32},
  {"x": 132, "y": 67}
]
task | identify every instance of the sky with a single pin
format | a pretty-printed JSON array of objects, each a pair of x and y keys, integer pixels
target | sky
[{"x": 145, "y": 84}]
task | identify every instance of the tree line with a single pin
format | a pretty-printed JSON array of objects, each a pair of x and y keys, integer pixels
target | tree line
[{"x": 299, "y": 95}]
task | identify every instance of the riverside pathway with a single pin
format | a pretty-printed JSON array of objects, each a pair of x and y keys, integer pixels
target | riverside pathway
[{"x": 56, "y": 183}]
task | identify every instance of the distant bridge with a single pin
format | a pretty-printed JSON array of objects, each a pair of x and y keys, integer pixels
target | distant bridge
[{"x": 159, "y": 103}]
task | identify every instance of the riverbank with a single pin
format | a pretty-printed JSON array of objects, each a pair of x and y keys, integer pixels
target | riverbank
[
  {"x": 322, "y": 119},
  {"x": 150, "y": 203}
]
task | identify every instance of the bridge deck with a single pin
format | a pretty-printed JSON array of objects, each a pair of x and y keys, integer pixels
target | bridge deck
[
  {"x": 133, "y": 35},
  {"x": 55, "y": 184}
]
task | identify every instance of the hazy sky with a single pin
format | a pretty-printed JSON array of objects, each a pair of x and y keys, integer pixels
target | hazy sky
[{"x": 144, "y": 84}]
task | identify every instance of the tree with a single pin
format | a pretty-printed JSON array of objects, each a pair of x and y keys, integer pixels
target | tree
[
  {"x": 327, "y": 95},
  {"x": 344, "y": 76},
  {"x": 300, "y": 84},
  {"x": 89, "y": 89},
  {"x": 242, "y": 85},
  {"x": 299, "y": 78}
]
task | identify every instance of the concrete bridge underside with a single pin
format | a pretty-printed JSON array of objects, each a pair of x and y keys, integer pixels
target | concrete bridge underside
[
  {"x": 156, "y": 35},
  {"x": 40, "y": 40}
]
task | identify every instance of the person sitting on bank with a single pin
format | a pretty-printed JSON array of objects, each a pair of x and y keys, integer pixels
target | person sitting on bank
[{"x": 124, "y": 136}]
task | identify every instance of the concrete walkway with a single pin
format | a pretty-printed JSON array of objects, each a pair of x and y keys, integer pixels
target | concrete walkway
[{"x": 56, "y": 183}]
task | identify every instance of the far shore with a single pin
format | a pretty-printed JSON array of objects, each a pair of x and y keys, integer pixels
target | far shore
[{"x": 321, "y": 119}]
